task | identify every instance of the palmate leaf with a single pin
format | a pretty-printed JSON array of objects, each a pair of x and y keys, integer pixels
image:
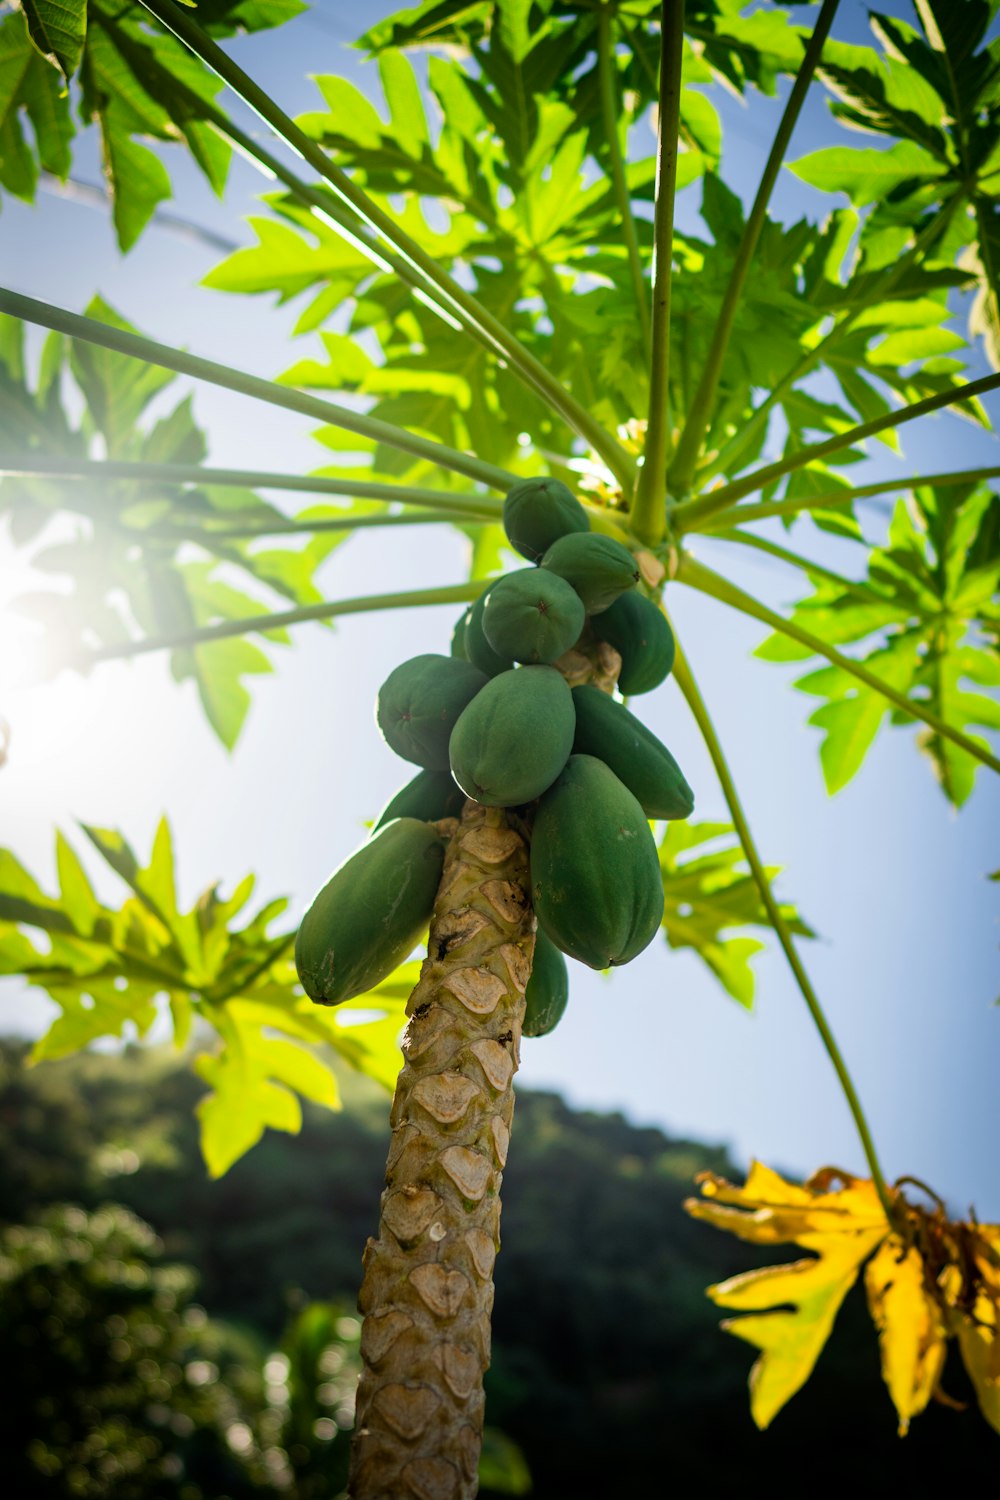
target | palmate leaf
[
  {"x": 143, "y": 556},
  {"x": 740, "y": 49},
  {"x": 57, "y": 28},
  {"x": 927, "y": 1279},
  {"x": 131, "y": 77},
  {"x": 31, "y": 91},
  {"x": 708, "y": 890},
  {"x": 553, "y": 215},
  {"x": 933, "y": 91},
  {"x": 928, "y": 613},
  {"x": 888, "y": 341},
  {"x": 524, "y": 197},
  {"x": 108, "y": 968}
]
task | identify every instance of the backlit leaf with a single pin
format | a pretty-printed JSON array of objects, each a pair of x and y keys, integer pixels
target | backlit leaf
[
  {"x": 927, "y": 1279},
  {"x": 30, "y": 90},
  {"x": 708, "y": 890},
  {"x": 788, "y": 1311},
  {"x": 58, "y": 29},
  {"x": 911, "y": 1333},
  {"x": 109, "y": 969},
  {"x": 927, "y": 613}
]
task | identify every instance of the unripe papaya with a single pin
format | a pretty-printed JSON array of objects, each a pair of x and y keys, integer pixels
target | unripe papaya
[
  {"x": 419, "y": 704},
  {"x": 606, "y": 729},
  {"x": 429, "y": 796},
  {"x": 514, "y": 738},
  {"x": 532, "y": 616},
  {"x": 370, "y": 913},
  {"x": 548, "y": 988},
  {"x": 598, "y": 567},
  {"x": 458, "y": 638},
  {"x": 595, "y": 872},
  {"x": 477, "y": 648},
  {"x": 641, "y": 635},
  {"x": 537, "y": 512}
]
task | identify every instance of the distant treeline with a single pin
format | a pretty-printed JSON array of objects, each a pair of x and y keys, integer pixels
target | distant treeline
[{"x": 609, "y": 1369}]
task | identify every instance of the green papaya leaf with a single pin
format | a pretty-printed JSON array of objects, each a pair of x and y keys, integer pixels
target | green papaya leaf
[
  {"x": 928, "y": 619},
  {"x": 58, "y": 31},
  {"x": 708, "y": 890},
  {"x": 110, "y": 969}
]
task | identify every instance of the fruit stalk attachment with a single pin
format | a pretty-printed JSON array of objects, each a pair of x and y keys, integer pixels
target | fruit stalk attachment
[{"x": 427, "y": 1292}]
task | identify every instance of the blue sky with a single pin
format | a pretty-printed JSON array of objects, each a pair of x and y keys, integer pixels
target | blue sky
[{"x": 891, "y": 879}]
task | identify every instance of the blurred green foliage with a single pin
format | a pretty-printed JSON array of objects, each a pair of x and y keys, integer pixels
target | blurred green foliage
[
  {"x": 608, "y": 1365},
  {"x": 114, "y": 1383}
]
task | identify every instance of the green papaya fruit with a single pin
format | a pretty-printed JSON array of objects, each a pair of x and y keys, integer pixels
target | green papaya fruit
[
  {"x": 370, "y": 913},
  {"x": 429, "y": 796},
  {"x": 595, "y": 872},
  {"x": 532, "y": 616},
  {"x": 477, "y": 648},
  {"x": 419, "y": 704},
  {"x": 598, "y": 567},
  {"x": 537, "y": 512},
  {"x": 548, "y": 988},
  {"x": 514, "y": 738},
  {"x": 641, "y": 635},
  {"x": 458, "y": 638},
  {"x": 607, "y": 730}
]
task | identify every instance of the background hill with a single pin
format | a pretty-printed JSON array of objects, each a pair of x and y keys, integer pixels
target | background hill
[{"x": 609, "y": 1369}]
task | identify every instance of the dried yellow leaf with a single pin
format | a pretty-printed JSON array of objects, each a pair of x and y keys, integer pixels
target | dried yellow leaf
[
  {"x": 971, "y": 1284},
  {"x": 928, "y": 1279},
  {"x": 911, "y": 1331},
  {"x": 790, "y": 1309}
]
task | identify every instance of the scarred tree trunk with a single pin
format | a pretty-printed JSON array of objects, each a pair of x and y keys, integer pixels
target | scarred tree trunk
[{"x": 427, "y": 1292}]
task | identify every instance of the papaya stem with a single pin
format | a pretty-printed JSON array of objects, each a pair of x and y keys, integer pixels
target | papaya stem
[
  {"x": 713, "y": 501},
  {"x": 696, "y": 703},
  {"x": 454, "y": 593},
  {"x": 697, "y": 576},
  {"x": 150, "y": 352},
  {"x": 648, "y": 512},
  {"x": 835, "y": 499},
  {"x": 463, "y": 305},
  {"x": 702, "y": 406},
  {"x": 55, "y": 466},
  {"x": 805, "y": 564},
  {"x": 619, "y": 180}
]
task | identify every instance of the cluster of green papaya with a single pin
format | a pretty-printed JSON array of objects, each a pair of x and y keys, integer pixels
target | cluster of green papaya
[{"x": 497, "y": 721}]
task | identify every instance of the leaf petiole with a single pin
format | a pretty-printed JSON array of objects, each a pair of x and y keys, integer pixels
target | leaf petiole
[
  {"x": 55, "y": 466},
  {"x": 697, "y": 576},
  {"x": 648, "y": 512},
  {"x": 835, "y": 499},
  {"x": 458, "y": 300},
  {"x": 692, "y": 696},
  {"x": 150, "y": 352},
  {"x": 610, "y": 113},
  {"x": 703, "y": 404},
  {"x": 726, "y": 495},
  {"x": 454, "y": 593}
]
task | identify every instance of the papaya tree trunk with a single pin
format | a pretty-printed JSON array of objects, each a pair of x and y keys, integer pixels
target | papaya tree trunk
[{"x": 427, "y": 1292}]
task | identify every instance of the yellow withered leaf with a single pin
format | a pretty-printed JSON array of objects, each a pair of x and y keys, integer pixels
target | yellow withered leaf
[
  {"x": 789, "y": 1310},
  {"x": 928, "y": 1279},
  {"x": 971, "y": 1285},
  {"x": 911, "y": 1331}
]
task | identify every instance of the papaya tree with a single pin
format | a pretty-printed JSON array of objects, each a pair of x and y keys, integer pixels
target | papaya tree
[{"x": 525, "y": 347}]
